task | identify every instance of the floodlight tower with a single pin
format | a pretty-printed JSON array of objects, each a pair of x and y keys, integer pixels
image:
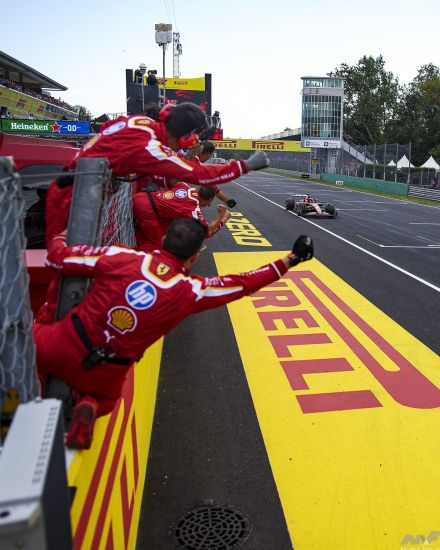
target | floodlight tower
[
  {"x": 177, "y": 52},
  {"x": 164, "y": 36}
]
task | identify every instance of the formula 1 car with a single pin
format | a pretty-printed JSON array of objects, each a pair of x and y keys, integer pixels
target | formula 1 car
[{"x": 303, "y": 205}]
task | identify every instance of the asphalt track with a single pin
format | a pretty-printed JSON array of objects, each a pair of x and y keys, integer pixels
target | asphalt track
[{"x": 211, "y": 441}]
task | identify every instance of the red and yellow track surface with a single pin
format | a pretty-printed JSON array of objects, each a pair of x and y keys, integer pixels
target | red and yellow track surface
[
  {"x": 348, "y": 403},
  {"x": 312, "y": 406},
  {"x": 109, "y": 478}
]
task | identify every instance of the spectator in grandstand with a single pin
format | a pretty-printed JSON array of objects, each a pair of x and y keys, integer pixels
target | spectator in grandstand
[
  {"x": 155, "y": 210},
  {"x": 28, "y": 91},
  {"x": 145, "y": 147},
  {"x": 135, "y": 299}
]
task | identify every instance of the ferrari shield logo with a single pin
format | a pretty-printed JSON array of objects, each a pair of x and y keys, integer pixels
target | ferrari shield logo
[{"x": 162, "y": 269}]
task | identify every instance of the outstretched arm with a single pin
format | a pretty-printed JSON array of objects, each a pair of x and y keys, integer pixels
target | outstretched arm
[
  {"x": 79, "y": 259},
  {"x": 220, "y": 290},
  {"x": 222, "y": 218}
]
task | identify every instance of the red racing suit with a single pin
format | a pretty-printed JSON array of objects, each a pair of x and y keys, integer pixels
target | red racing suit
[
  {"x": 135, "y": 145},
  {"x": 181, "y": 201},
  {"x": 135, "y": 299}
]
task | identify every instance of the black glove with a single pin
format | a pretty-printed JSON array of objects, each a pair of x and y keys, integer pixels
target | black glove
[
  {"x": 257, "y": 161},
  {"x": 302, "y": 250},
  {"x": 231, "y": 203},
  {"x": 65, "y": 180}
]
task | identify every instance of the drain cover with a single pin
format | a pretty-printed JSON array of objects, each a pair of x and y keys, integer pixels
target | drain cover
[{"x": 213, "y": 528}]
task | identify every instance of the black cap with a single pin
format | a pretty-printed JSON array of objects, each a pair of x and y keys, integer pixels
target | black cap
[{"x": 186, "y": 118}]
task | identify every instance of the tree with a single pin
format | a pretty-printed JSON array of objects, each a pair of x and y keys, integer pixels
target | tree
[
  {"x": 417, "y": 119},
  {"x": 83, "y": 113},
  {"x": 371, "y": 97}
]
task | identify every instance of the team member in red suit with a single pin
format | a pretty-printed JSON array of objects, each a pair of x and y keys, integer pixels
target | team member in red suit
[
  {"x": 201, "y": 155},
  {"x": 145, "y": 147},
  {"x": 135, "y": 299},
  {"x": 154, "y": 212}
]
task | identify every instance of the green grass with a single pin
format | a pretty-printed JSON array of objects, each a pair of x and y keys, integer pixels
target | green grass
[{"x": 417, "y": 200}]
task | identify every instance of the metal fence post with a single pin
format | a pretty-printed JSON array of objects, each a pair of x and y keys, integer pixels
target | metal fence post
[
  {"x": 86, "y": 214},
  {"x": 374, "y": 155},
  {"x": 92, "y": 181},
  {"x": 365, "y": 159}
]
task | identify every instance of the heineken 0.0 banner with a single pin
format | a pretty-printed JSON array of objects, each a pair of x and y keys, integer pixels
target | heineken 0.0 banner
[{"x": 53, "y": 127}]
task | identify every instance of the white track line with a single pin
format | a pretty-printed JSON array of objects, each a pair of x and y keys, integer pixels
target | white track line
[{"x": 419, "y": 279}]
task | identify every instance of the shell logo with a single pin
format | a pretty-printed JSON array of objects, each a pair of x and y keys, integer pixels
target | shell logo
[{"x": 122, "y": 319}]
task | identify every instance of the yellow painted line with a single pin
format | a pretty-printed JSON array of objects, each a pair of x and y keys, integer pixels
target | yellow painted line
[{"x": 349, "y": 407}]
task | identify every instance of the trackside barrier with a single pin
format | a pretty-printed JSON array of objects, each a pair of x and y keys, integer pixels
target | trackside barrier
[
  {"x": 422, "y": 192},
  {"x": 392, "y": 187},
  {"x": 34, "y": 499}
]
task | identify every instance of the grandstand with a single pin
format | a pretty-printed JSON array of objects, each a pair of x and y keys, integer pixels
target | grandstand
[{"x": 25, "y": 92}]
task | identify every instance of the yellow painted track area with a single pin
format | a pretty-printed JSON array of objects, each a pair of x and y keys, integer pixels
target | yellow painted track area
[
  {"x": 349, "y": 407},
  {"x": 109, "y": 478}
]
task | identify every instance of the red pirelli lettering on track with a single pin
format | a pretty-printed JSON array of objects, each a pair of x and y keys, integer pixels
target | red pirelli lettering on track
[
  {"x": 338, "y": 401},
  {"x": 127, "y": 499},
  {"x": 404, "y": 383}
]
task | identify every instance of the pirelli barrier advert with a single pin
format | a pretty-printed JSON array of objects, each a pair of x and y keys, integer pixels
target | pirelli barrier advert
[{"x": 261, "y": 144}]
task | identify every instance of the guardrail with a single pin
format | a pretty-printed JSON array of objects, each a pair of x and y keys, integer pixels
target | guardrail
[{"x": 423, "y": 193}]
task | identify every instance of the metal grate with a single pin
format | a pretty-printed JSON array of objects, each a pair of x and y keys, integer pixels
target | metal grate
[{"x": 213, "y": 528}]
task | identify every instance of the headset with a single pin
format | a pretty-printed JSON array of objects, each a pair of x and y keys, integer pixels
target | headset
[{"x": 187, "y": 141}]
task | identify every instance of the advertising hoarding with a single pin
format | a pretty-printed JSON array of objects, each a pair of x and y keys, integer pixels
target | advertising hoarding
[
  {"x": 323, "y": 143},
  {"x": 261, "y": 145},
  {"x": 51, "y": 127}
]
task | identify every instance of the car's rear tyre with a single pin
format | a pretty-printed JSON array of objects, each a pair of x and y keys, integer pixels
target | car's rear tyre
[{"x": 290, "y": 204}]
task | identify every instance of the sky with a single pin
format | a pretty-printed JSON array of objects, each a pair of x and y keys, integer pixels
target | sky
[{"x": 257, "y": 51}]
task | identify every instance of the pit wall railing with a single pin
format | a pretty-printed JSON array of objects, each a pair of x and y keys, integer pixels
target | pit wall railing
[{"x": 104, "y": 485}]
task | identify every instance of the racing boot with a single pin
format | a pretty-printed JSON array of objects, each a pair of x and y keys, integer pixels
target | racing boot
[{"x": 80, "y": 432}]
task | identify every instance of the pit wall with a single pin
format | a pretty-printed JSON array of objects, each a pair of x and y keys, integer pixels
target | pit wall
[
  {"x": 108, "y": 480},
  {"x": 392, "y": 187}
]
